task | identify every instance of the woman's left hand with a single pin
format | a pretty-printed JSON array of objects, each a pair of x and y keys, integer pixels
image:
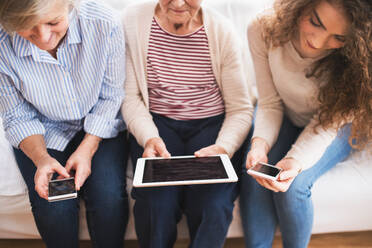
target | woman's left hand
[
  {"x": 210, "y": 151},
  {"x": 291, "y": 168},
  {"x": 80, "y": 161}
]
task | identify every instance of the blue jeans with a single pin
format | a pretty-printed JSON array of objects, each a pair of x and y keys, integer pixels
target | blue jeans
[
  {"x": 104, "y": 194},
  {"x": 208, "y": 208},
  {"x": 262, "y": 210}
]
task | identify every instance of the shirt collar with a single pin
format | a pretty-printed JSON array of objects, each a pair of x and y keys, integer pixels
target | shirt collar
[
  {"x": 73, "y": 35},
  {"x": 21, "y": 46}
]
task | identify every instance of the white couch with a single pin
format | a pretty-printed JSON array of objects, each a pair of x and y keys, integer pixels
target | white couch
[{"x": 342, "y": 198}]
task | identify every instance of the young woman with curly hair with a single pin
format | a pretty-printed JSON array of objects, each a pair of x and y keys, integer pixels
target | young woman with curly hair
[{"x": 312, "y": 62}]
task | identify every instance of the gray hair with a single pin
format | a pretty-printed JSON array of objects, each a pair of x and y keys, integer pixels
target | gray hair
[{"x": 18, "y": 15}]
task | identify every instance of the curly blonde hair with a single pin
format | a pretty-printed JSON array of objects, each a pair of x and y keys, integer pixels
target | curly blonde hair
[{"x": 347, "y": 71}]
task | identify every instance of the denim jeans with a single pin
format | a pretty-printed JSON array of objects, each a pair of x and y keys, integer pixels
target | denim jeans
[
  {"x": 104, "y": 194},
  {"x": 208, "y": 208},
  {"x": 262, "y": 209}
]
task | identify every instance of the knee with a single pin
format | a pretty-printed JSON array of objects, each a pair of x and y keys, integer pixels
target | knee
[
  {"x": 215, "y": 206},
  {"x": 300, "y": 187},
  {"x": 55, "y": 210},
  {"x": 108, "y": 201},
  {"x": 162, "y": 201}
]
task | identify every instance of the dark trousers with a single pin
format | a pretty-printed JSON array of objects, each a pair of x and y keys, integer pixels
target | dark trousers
[
  {"x": 104, "y": 194},
  {"x": 208, "y": 208}
]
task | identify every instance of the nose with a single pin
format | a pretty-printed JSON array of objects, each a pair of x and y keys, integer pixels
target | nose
[
  {"x": 42, "y": 33},
  {"x": 178, "y": 3}
]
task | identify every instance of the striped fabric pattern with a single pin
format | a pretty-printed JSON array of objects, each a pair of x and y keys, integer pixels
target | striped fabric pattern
[
  {"x": 82, "y": 88},
  {"x": 180, "y": 78}
]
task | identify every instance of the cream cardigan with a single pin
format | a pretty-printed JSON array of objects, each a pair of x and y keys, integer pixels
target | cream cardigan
[{"x": 227, "y": 66}]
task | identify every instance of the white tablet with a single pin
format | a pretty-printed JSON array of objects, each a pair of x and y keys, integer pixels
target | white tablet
[{"x": 183, "y": 170}]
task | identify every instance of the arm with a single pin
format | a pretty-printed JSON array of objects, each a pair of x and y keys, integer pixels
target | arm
[
  {"x": 306, "y": 151},
  {"x": 34, "y": 148},
  {"x": 24, "y": 130},
  {"x": 101, "y": 120},
  {"x": 136, "y": 114},
  {"x": 269, "y": 113},
  {"x": 19, "y": 117},
  {"x": 235, "y": 92},
  {"x": 310, "y": 146},
  {"x": 80, "y": 160},
  {"x": 270, "y": 107}
]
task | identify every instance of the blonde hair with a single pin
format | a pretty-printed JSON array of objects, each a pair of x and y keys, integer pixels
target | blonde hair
[{"x": 18, "y": 15}]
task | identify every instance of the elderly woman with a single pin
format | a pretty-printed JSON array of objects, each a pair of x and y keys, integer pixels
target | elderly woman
[
  {"x": 61, "y": 87},
  {"x": 186, "y": 94}
]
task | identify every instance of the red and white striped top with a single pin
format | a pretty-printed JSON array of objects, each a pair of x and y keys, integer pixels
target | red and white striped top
[{"x": 180, "y": 78}]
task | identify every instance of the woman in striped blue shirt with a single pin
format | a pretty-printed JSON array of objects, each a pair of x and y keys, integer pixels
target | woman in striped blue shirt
[{"x": 61, "y": 86}]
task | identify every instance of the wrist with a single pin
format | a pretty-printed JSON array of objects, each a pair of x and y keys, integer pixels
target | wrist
[
  {"x": 151, "y": 140},
  {"x": 297, "y": 163},
  {"x": 89, "y": 145},
  {"x": 36, "y": 159},
  {"x": 260, "y": 144}
]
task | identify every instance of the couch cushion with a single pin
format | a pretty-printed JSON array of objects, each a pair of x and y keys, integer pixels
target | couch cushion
[{"x": 11, "y": 181}]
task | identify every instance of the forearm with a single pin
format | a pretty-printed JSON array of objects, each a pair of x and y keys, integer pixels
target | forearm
[
  {"x": 34, "y": 147},
  {"x": 310, "y": 145},
  {"x": 261, "y": 144},
  {"x": 89, "y": 145}
]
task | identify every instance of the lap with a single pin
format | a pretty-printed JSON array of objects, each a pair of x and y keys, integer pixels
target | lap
[
  {"x": 184, "y": 138},
  {"x": 108, "y": 165}
]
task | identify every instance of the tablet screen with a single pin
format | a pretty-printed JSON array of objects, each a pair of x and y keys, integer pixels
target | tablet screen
[{"x": 182, "y": 169}]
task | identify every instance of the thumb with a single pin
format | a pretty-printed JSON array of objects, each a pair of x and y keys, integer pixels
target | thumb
[
  {"x": 162, "y": 150},
  {"x": 251, "y": 161},
  {"x": 288, "y": 174},
  {"x": 78, "y": 180}
]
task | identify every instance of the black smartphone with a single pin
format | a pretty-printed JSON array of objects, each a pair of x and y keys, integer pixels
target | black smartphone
[{"x": 62, "y": 189}]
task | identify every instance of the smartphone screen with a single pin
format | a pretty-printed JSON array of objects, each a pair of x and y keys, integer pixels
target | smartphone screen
[
  {"x": 266, "y": 169},
  {"x": 62, "y": 187}
]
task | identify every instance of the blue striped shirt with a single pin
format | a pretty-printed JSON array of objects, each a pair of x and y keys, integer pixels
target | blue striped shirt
[{"x": 81, "y": 89}]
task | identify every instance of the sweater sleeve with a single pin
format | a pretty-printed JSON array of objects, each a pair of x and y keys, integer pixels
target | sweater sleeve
[
  {"x": 238, "y": 103},
  {"x": 137, "y": 117},
  {"x": 311, "y": 144},
  {"x": 135, "y": 113},
  {"x": 269, "y": 113}
]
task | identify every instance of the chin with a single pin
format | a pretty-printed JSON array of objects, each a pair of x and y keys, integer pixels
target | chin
[{"x": 46, "y": 48}]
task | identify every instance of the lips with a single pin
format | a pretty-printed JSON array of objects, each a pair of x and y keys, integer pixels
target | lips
[
  {"x": 309, "y": 44},
  {"x": 178, "y": 11}
]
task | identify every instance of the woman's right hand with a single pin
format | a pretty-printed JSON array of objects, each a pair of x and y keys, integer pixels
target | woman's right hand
[
  {"x": 46, "y": 167},
  {"x": 155, "y": 147},
  {"x": 257, "y": 153}
]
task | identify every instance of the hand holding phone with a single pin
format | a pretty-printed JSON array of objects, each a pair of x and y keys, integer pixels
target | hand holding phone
[
  {"x": 62, "y": 189},
  {"x": 264, "y": 170}
]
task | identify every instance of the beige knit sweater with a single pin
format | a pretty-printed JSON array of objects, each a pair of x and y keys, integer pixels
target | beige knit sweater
[
  {"x": 284, "y": 89},
  {"x": 227, "y": 67}
]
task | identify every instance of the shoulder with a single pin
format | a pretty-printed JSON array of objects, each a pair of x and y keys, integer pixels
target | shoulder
[
  {"x": 221, "y": 32},
  {"x": 6, "y": 51},
  {"x": 97, "y": 13},
  {"x": 137, "y": 10},
  {"x": 4, "y": 37},
  {"x": 214, "y": 19},
  {"x": 254, "y": 31}
]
